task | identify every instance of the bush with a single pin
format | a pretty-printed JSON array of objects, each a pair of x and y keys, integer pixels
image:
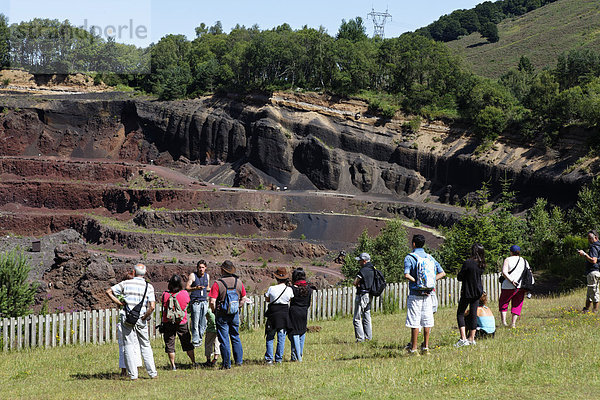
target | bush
[
  {"x": 545, "y": 235},
  {"x": 387, "y": 251},
  {"x": 412, "y": 126},
  {"x": 495, "y": 229},
  {"x": 16, "y": 294},
  {"x": 381, "y": 109},
  {"x": 586, "y": 213},
  {"x": 490, "y": 123}
]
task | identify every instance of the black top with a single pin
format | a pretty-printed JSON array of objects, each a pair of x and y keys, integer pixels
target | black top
[
  {"x": 279, "y": 318},
  {"x": 470, "y": 276},
  {"x": 299, "y": 311},
  {"x": 366, "y": 275},
  {"x": 593, "y": 252}
]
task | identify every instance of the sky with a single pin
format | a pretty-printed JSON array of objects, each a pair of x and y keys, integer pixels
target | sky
[{"x": 142, "y": 22}]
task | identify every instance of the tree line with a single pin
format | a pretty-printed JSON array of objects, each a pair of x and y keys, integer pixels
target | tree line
[
  {"x": 412, "y": 72},
  {"x": 45, "y": 46},
  {"x": 482, "y": 18}
]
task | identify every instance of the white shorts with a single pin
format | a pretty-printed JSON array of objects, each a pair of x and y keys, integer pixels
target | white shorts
[
  {"x": 419, "y": 311},
  {"x": 434, "y": 302}
]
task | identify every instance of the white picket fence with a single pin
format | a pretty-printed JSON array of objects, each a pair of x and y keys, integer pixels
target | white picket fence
[{"x": 100, "y": 326}]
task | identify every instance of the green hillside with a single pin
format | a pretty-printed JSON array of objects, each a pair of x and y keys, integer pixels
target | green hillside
[{"x": 541, "y": 35}]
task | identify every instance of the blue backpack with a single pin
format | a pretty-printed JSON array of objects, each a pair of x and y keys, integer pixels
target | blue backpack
[
  {"x": 231, "y": 302},
  {"x": 425, "y": 272}
]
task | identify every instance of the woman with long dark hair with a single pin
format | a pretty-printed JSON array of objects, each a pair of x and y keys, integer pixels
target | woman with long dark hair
[
  {"x": 299, "y": 313},
  {"x": 471, "y": 291}
]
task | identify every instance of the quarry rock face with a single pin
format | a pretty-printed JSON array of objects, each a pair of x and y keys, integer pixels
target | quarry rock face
[
  {"x": 318, "y": 162},
  {"x": 361, "y": 172},
  {"x": 264, "y": 144}
]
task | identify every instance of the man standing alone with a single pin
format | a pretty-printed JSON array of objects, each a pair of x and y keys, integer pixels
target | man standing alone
[
  {"x": 420, "y": 266},
  {"x": 226, "y": 291},
  {"x": 592, "y": 271},
  {"x": 132, "y": 292},
  {"x": 197, "y": 285},
  {"x": 362, "y": 301}
]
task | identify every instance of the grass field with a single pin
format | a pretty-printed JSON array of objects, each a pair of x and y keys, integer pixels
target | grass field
[
  {"x": 541, "y": 35},
  {"x": 553, "y": 354}
]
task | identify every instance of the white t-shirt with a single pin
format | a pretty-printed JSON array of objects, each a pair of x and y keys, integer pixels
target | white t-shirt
[
  {"x": 509, "y": 264},
  {"x": 274, "y": 291}
]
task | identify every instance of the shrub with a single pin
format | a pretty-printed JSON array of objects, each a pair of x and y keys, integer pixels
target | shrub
[
  {"x": 495, "y": 229},
  {"x": 545, "y": 234},
  {"x": 490, "y": 123},
  {"x": 586, "y": 213},
  {"x": 412, "y": 126},
  {"x": 16, "y": 294},
  {"x": 387, "y": 251}
]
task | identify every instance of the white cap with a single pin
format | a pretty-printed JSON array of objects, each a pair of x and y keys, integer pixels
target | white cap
[{"x": 364, "y": 257}]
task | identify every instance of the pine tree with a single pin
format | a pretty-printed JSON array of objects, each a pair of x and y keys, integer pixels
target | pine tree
[{"x": 16, "y": 294}]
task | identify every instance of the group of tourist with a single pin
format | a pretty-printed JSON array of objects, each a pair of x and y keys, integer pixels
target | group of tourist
[
  {"x": 422, "y": 271},
  {"x": 213, "y": 317},
  {"x": 214, "y": 309},
  {"x": 209, "y": 318}
]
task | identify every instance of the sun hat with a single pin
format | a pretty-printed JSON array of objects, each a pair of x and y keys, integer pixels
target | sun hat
[
  {"x": 282, "y": 273},
  {"x": 228, "y": 267}
]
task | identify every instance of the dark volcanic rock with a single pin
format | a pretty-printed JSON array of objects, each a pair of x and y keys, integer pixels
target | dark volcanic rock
[
  {"x": 271, "y": 150},
  {"x": 361, "y": 172},
  {"x": 318, "y": 162},
  {"x": 401, "y": 180}
]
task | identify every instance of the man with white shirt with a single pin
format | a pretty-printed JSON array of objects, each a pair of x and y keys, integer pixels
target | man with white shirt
[{"x": 135, "y": 291}]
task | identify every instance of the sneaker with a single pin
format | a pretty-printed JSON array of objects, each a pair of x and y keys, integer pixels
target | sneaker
[
  {"x": 424, "y": 350},
  {"x": 412, "y": 352},
  {"x": 173, "y": 368},
  {"x": 472, "y": 343},
  {"x": 462, "y": 342},
  {"x": 269, "y": 363},
  {"x": 408, "y": 346}
]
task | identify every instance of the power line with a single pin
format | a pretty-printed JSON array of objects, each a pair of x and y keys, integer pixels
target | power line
[{"x": 379, "y": 19}]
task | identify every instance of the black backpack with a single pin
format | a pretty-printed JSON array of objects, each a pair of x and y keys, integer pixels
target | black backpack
[
  {"x": 378, "y": 283},
  {"x": 132, "y": 315},
  {"x": 527, "y": 278}
]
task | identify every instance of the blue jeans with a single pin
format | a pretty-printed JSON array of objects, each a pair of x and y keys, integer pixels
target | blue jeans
[
  {"x": 228, "y": 326},
  {"x": 280, "y": 345},
  {"x": 198, "y": 321},
  {"x": 297, "y": 342}
]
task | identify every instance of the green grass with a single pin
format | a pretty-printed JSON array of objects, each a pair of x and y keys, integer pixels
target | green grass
[
  {"x": 554, "y": 353},
  {"x": 541, "y": 35}
]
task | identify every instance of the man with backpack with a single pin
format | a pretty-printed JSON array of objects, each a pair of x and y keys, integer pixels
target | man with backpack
[
  {"x": 422, "y": 271},
  {"x": 362, "y": 301},
  {"x": 136, "y": 308},
  {"x": 225, "y": 298},
  {"x": 592, "y": 271}
]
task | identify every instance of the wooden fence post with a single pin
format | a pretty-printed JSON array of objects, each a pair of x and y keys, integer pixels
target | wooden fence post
[
  {"x": 5, "y": 324},
  {"x": 61, "y": 329},
  {"x": 19, "y": 333},
  {"x": 12, "y": 333},
  {"x": 34, "y": 325}
]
